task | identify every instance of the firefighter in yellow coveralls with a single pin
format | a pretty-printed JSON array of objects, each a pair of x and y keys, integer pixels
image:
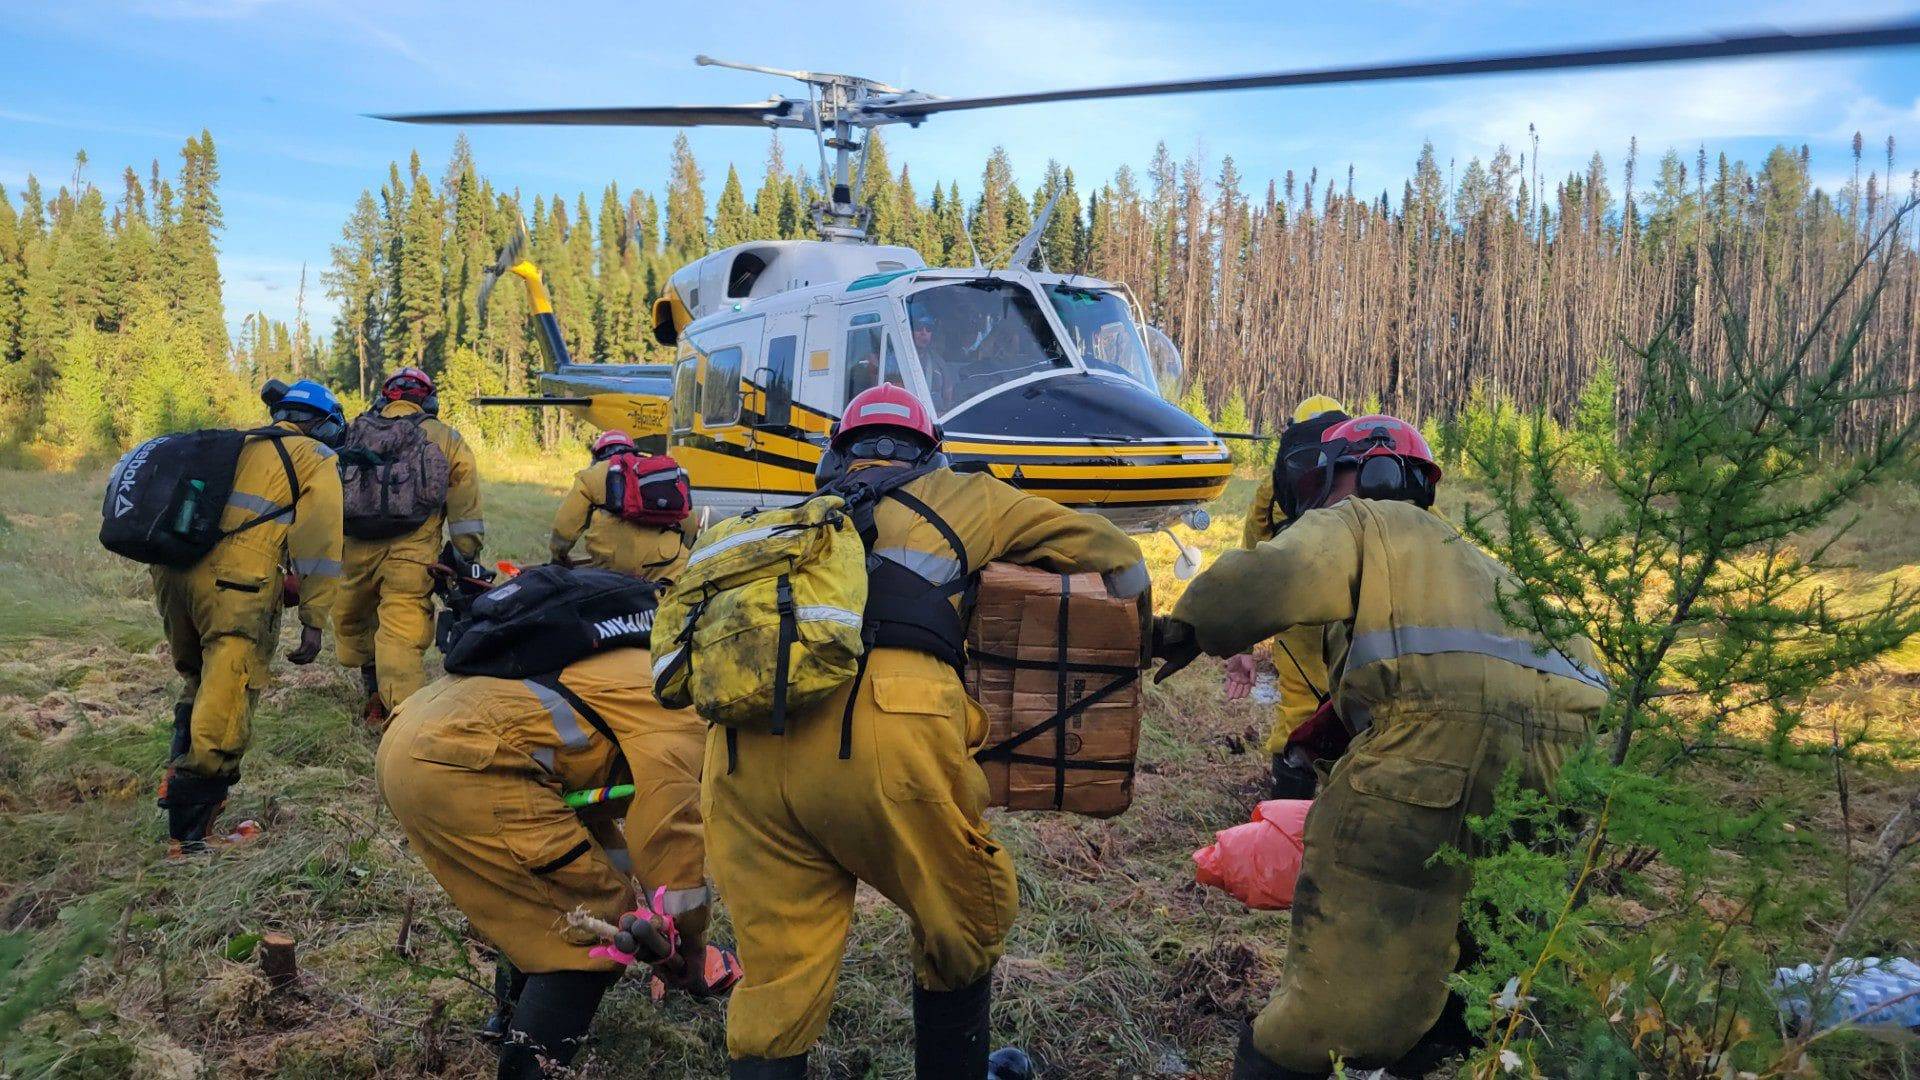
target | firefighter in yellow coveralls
[
  {"x": 883, "y": 789},
  {"x": 1444, "y": 696},
  {"x": 1297, "y": 651},
  {"x": 652, "y": 552},
  {"x": 474, "y": 769},
  {"x": 222, "y": 615},
  {"x": 385, "y": 621}
]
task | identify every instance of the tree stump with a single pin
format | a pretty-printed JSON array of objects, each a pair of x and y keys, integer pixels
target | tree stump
[{"x": 277, "y": 960}]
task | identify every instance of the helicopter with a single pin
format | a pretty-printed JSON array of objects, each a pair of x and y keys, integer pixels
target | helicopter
[{"x": 1054, "y": 382}]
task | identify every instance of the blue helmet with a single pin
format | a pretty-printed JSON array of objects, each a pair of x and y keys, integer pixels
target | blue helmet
[{"x": 306, "y": 401}]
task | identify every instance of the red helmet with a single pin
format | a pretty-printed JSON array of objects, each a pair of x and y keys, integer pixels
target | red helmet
[
  {"x": 409, "y": 383},
  {"x": 1377, "y": 435},
  {"x": 610, "y": 442},
  {"x": 884, "y": 406}
]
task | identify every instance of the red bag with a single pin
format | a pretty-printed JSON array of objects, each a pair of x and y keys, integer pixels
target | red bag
[
  {"x": 648, "y": 490},
  {"x": 1259, "y": 862}
]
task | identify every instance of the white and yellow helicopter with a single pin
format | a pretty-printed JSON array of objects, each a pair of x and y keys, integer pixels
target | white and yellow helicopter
[{"x": 1051, "y": 381}]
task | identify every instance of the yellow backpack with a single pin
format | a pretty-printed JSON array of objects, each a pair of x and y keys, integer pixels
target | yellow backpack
[{"x": 765, "y": 619}]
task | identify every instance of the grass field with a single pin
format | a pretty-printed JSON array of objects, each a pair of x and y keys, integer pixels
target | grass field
[{"x": 1119, "y": 965}]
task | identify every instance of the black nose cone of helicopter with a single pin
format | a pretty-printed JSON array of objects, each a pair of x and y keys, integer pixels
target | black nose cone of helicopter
[{"x": 1073, "y": 407}]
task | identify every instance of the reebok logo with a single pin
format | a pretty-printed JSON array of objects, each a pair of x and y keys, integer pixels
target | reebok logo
[
  {"x": 640, "y": 622},
  {"x": 125, "y": 476}
]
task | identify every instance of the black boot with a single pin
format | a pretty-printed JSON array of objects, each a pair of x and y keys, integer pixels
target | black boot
[
  {"x": 786, "y": 1068},
  {"x": 191, "y": 802},
  {"x": 950, "y": 1031},
  {"x": 1292, "y": 781},
  {"x": 1250, "y": 1064},
  {"x": 508, "y": 983},
  {"x": 550, "y": 1022}
]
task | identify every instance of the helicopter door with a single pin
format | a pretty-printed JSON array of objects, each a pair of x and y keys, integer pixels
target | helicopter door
[{"x": 710, "y": 424}]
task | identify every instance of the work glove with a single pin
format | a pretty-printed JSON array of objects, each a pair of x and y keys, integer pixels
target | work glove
[
  {"x": 309, "y": 646},
  {"x": 1174, "y": 642},
  {"x": 1240, "y": 675}
]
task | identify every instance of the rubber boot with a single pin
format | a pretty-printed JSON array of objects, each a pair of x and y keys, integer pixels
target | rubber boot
[
  {"x": 950, "y": 1029},
  {"x": 374, "y": 712},
  {"x": 1250, "y": 1064},
  {"x": 786, "y": 1068},
  {"x": 508, "y": 982}
]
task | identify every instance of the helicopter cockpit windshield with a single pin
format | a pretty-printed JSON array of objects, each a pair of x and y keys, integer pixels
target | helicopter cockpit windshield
[
  {"x": 978, "y": 335},
  {"x": 1100, "y": 323}
]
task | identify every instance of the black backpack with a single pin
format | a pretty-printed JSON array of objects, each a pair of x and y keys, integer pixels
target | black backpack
[
  {"x": 165, "y": 497},
  {"x": 549, "y": 617}
]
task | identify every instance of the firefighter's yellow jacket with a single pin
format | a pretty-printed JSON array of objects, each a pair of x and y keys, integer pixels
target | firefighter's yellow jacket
[
  {"x": 1298, "y": 654},
  {"x": 221, "y": 615},
  {"x": 653, "y": 552},
  {"x": 884, "y": 790},
  {"x": 474, "y": 769},
  {"x": 1446, "y": 697},
  {"x": 386, "y": 607}
]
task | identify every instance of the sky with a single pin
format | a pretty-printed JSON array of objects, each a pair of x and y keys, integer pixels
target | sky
[{"x": 284, "y": 86}]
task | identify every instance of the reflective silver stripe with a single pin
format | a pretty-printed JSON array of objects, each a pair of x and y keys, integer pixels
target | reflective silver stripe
[
  {"x": 660, "y": 663},
  {"x": 317, "y": 567},
  {"x": 826, "y": 613},
  {"x": 565, "y": 723},
  {"x": 621, "y": 858},
  {"x": 679, "y": 901},
  {"x": 936, "y": 568},
  {"x": 1377, "y": 645},
  {"x": 255, "y": 503},
  {"x": 469, "y": 527},
  {"x": 543, "y": 757},
  {"x": 734, "y": 541},
  {"x": 323, "y": 450}
]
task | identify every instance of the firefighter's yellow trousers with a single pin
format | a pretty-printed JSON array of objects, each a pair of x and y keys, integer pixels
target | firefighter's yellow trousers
[
  {"x": 1375, "y": 917},
  {"x": 384, "y": 615},
  {"x": 792, "y": 827},
  {"x": 222, "y": 624}
]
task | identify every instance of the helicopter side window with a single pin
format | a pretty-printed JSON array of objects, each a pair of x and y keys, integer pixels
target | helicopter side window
[
  {"x": 686, "y": 384},
  {"x": 720, "y": 390},
  {"x": 974, "y": 336},
  {"x": 1102, "y": 328},
  {"x": 870, "y": 356}
]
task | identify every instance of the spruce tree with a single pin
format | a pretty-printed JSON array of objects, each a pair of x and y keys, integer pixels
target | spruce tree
[
  {"x": 353, "y": 280},
  {"x": 418, "y": 311},
  {"x": 769, "y": 202},
  {"x": 879, "y": 194},
  {"x": 993, "y": 211},
  {"x": 732, "y": 223},
  {"x": 686, "y": 204}
]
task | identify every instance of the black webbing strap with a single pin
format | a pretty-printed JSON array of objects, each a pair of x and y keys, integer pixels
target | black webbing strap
[
  {"x": 789, "y": 633},
  {"x": 733, "y": 748},
  {"x": 278, "y": 437},
  {"x": 1004, "y": 750},
  {"x": 853, "y": 695},
  {"x": 939, "y": 523},
  {"x": 1318, "y": 696},
  {"x": 1060, "y": 694},
  {"x": 572, "y": 854},
  {"x": 551, "y": 681}
]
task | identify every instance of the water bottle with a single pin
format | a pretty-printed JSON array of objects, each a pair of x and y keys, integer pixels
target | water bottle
[
  {"x": 189, "y": 501},
  {"x": 1868, "y": 992}
]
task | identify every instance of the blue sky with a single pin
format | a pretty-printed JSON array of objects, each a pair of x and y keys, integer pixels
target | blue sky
[{"x": 282, "y": 86}]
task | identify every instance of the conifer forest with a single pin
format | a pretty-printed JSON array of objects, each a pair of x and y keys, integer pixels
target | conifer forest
[{"x": 1476, "y": 278}]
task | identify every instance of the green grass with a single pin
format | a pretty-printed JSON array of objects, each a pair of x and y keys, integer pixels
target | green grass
[{"x": 1118, "y": 966}]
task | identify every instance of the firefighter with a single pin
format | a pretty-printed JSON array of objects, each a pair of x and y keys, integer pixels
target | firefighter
[
  {"x": 653, "y": 552},
  {"x": 1443, "y": 696},
  {"x": 877, "y": 783},
  {"x": 222, "y": 615},
  {"x": 1297, "y": 652},
  {"x": 385, "y": 622},
  {"x": 474, "y": 769}
]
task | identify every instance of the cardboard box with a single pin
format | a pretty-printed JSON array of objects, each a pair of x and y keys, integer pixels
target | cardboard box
[{"x": 1025, "y": 667}]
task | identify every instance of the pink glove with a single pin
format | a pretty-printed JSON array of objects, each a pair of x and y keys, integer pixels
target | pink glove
[
  {"x": 645, "y": 936},
  {"x": 1240, "y": 672}
]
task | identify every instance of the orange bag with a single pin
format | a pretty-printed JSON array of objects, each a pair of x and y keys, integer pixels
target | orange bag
[{"x": 1258, "y": 862}]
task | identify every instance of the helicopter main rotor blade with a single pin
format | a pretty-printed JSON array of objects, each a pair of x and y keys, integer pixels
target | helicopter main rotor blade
[
  {"x": 1720, "y": 47},
  {"x": 750, "y": 115}
]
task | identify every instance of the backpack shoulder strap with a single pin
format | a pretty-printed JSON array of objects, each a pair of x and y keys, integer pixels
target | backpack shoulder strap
[
  {"x": 927, "y": 513},
  {"x": 278, "y": 437}
]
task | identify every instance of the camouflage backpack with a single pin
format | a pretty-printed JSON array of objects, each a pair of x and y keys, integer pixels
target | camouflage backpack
[{"x": 392, "y": 477}]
